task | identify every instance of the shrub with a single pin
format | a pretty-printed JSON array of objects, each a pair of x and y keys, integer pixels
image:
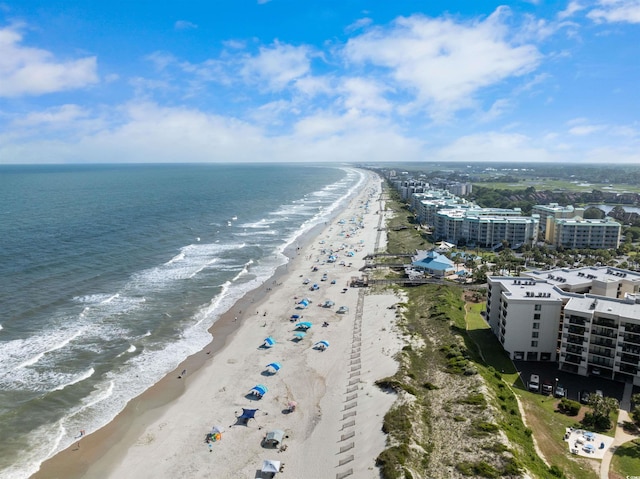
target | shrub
[
  {"x": 475, "y": 399},
  {"x": 555, "y": 471},
  {"x": 569, "y": 407}
]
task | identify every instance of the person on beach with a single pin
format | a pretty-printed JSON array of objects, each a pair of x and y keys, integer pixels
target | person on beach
[{"x": 80, "y": 437}]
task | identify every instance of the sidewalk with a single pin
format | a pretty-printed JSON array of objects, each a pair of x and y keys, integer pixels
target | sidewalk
[{"x": 621, "y": 435}]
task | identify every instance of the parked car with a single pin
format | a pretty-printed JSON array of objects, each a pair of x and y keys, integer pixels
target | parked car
[
  {"x": 534, "y": 383},
  {"x": 584, "y": 396},
  {"x": 560, "y": 391},
  {"x": 547, "y": 388}
]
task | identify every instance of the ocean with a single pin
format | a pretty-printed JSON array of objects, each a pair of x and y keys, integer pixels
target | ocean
[{"x": 111, "y": 275}]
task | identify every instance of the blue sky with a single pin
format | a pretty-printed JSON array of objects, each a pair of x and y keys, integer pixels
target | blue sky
[{"x": 331, "y": 80}]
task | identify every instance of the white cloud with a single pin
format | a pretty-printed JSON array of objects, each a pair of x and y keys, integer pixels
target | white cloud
[
  {"x": 583, "y": 130},
  {"x": 314, "y": 85},
  {"x": 493, "y": 146},
  {"x": 277, "y": 66},
  {"x": 58, "y": 116},
  {"x": 364, "y": 94},
  {"x": 443, "y": 61},
  {"x": 184, "y": 25},
  {"x": 613, "y": 11},
  {"x": 573, "y": 7},
  {"x": 358, "y": 24},
  {"x": 33, "y": 71},
  {"x": 498, "y": 108}
]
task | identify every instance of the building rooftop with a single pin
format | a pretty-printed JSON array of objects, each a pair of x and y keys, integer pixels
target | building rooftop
[
  {"x": 609, "y": 306},
  {"x": 585, "y": 222},
  {"x": 528, "y": 288},
  {"x": 584, "y": 276}
]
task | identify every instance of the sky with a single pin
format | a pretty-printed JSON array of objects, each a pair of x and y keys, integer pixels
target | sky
[{"x": 319, "y": 81}]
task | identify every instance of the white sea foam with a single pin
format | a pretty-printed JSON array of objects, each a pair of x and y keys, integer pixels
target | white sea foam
[
  {"x": 21, "y": 353},
  {"x": 80, "y": 377},
  {"x": 144, "y": 369}
]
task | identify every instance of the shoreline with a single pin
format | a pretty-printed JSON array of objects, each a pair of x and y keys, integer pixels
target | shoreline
[{"x": 101, "y": 451}]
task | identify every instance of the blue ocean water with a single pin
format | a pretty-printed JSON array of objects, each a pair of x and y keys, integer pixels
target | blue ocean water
[{"x": 110, "y": 275}]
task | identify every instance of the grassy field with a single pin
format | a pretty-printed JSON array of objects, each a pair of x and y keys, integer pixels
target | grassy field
[
  {"x": 561, "y": 185},
  {"x": 458, "y": 383},
  {"x": 626, "y": 460},
  {"x": 547, "y": 425}
]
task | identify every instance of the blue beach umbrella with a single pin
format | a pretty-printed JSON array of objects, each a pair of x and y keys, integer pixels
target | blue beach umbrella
[
  {"x": 303, "y": 325},
  {"x": 299, "y": 335},
  {"x": 295, "y": 316},
  {"x": 275, "y": 366},
  {"x": 268, "y": 342},
  {"x": 259, "y": 390},
  {"x": 321, "y": 344}
]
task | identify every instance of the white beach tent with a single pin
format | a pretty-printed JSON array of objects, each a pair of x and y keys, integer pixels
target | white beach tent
[{"x": 270, "y": 466}]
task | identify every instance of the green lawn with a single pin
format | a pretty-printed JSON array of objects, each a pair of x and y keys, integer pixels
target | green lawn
[
  {"x": 552, "y": 184},
  {"x": 626, "y": 459},
  {"x": 548, "y": 425}
]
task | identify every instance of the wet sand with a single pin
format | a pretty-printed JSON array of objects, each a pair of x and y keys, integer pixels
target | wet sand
[{"x": 161, "y": 433}]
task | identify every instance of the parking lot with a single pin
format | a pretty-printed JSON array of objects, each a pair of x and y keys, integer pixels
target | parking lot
[{"x": 572, "y": 383}]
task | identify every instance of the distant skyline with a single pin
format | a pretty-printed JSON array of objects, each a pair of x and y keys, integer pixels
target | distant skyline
[{"x": 325, "y": 80}]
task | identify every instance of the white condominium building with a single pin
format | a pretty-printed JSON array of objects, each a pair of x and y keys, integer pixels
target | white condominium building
[
  {"x": 586, "y": 319},
  {"x": 485, "y": 227},
  {"x": 584, "y": 233},
  {"x": 554, "y": 211}
]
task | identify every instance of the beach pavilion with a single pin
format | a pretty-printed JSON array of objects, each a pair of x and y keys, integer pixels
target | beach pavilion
[{"x": 433, "y": 263}]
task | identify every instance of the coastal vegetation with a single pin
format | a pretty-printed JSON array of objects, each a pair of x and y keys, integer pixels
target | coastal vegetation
[{"x": 460, "y": 402}]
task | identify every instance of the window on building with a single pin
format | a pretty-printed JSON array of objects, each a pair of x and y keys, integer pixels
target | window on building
[
  {"x": 534, "y": 344},
  {"x": 535, "y": 334},
  {"x": 536, "y": 316},
  {"x": 536, "y": 325},
  {"x": 537, "y": 307}
]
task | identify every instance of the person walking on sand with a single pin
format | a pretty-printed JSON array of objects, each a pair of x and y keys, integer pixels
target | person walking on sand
[{"x": 80, "y": 436}]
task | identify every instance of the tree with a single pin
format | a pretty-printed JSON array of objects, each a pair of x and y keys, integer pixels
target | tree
[
  {"x": 601, "y": 409},
  {"x": 635, "y": 412},
  {"x": 593, "y": 213}
]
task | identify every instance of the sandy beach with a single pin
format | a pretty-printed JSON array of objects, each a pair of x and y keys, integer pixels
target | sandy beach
[{"x": 335, "y": 429}]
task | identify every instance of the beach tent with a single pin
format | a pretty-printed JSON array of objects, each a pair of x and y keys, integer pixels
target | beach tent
[
  {"x": 215, "y": 434},
  {"x": 259, "y": 390},
  {"x": 246, "y": 415},
  {"x": 303, "y": 304},
  {"x": 268, "y": 342},
  {"x": 321, "y": 345},
  {"x": 342, "y": 310},
  {"x": 295, "y": 316},
  {"x": 299, "y": 335},
  {"x": 328, "y": 304},
  {"x": 270, "y": 466},
  {"x": 275, "y": 366},
  {"x": 304, "y": 325},
  {"x": 274, "y": 438}
]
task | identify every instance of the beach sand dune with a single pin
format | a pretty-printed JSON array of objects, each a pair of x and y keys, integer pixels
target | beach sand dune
[{"x": 336, "y": 425}]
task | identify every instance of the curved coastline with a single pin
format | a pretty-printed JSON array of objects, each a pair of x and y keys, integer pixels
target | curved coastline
[{"x": 99, "y": 450}]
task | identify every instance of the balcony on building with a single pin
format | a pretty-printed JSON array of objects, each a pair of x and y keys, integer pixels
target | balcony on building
[{"x": 604, "y": 331}]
